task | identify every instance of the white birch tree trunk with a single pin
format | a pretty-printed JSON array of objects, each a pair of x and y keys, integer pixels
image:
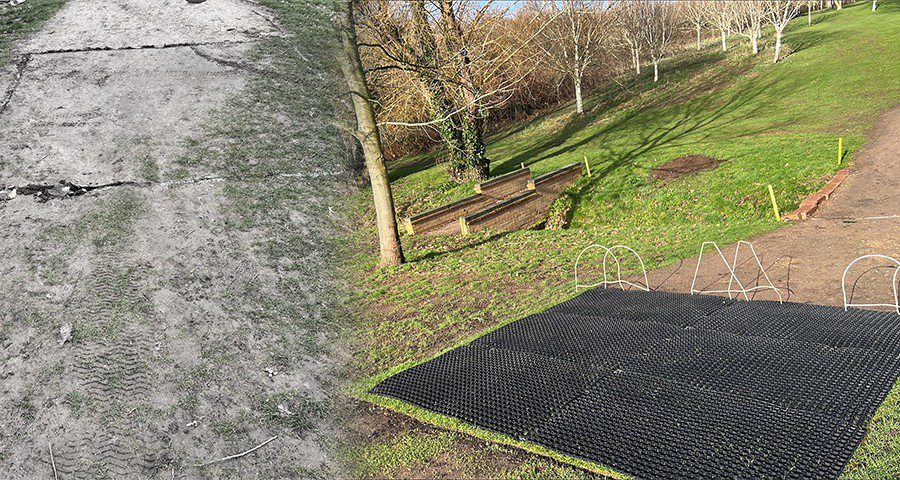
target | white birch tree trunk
[
  {"x": 698, "y": 30},
  {"x": 724, "y": 45},
  {"x": 579, "y": 107},
  {"x": 655, "y": 70},
  {"x": 777, "y": 45}
]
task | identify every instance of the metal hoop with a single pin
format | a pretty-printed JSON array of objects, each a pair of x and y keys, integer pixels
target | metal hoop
[
  {"x": 734, "y": 263},
  {"x": 607, "y": 253},
  {"x": 730, "y": 271},
  {"x": 622, "y": 283},
  {"x": 578, "y": 259},
  {"x": 895, "y": 305}
]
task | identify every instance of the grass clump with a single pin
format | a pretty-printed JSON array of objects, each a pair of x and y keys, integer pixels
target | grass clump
[
  {"x": 18, "y": 21},
  {"x": 292, "y": 410}
]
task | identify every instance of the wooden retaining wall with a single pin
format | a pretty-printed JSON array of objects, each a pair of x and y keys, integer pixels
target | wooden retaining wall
[
  {"x": 512, "y": 201},
  {"x": 438, "y": 219},
  {"x": 555, "y": 182},
  {"x": 502, "y": 216},
  {"x": 526, "y": 209},
  {"x": 505, "y": 186},
  {"x": 444, "y": 220}
]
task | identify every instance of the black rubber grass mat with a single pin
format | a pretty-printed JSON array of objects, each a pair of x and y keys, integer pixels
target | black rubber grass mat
[{"x": 664, "y": 385}]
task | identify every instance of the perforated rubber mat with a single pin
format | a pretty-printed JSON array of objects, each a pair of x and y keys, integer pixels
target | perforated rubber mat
[{"x": 666, "y": 385}]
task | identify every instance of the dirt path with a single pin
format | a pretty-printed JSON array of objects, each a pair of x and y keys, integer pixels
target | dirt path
[
  {"x": 808, "y": 258},
  {"x": 151, "y": 326}
]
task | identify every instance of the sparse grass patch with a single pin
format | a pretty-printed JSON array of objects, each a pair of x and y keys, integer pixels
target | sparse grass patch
[
  {"x": 78, "y": 403},
  {"x": 407, "y": 450},
  {"x": 292, "y": 410},
  {"x": 25, "y": 407},
  {"x": 149, "y": 169},
  {"x": 18, "y": 21}
]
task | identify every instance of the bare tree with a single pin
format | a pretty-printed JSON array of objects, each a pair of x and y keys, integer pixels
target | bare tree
[
  {"x": 450, "y": 48},
  {"x": 367, "y": 133},
  {"x": 780, "y": 14},
  {"x": 721, "y": 15},
  {"x": 661, "y": 24},
  {"x": 630, "y": 22},
  {"x": 697, "y": 12},
  {"x": 748, "y": 20},
  {"x": 571, "y": 39}
]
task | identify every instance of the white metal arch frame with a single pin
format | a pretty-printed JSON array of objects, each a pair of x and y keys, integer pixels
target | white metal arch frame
[
  {"x": 733, "y": 277},
  {"x": 895, "y": 305},
  {"x": 770, "y": 286},
  {"x": 607, "y": 253}
]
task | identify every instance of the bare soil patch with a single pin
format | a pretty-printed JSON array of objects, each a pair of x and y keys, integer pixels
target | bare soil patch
[{"x": 683, "y": 166}]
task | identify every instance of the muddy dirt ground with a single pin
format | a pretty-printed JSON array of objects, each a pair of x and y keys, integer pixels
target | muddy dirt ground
[{"x": 151, "y": 327}]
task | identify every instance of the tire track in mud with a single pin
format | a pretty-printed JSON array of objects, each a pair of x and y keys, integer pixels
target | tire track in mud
[{"x": 111, "y": 367}]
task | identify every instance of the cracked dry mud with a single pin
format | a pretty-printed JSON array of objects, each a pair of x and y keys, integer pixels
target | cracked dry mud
[{"x": 169, "y": 303}]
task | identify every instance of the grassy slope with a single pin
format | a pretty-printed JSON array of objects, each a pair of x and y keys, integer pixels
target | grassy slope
[
  {"x": 18, "y": 21},
  {"x": 773, "y": 124}
]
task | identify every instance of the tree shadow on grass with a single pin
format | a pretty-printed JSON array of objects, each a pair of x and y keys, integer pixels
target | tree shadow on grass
[
  {"x": 694, "y": 120},
  {"x": 464, "y": 245},
  {"x": 804, "y": 39},
  {"x": 681, "y": 73}
]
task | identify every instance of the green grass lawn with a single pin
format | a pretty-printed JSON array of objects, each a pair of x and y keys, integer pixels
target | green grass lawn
[
  {"x": 771, "y": 124},
  {"x": 18, "y": 21}
]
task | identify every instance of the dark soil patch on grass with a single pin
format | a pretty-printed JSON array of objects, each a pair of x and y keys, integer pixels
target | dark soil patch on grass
[{"x": 683, "y": 166}]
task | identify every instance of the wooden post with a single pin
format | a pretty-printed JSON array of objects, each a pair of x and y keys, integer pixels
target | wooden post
[
  {"x": 840, "y": 150},
  {"x": 774, "y": 203},
  {"x": 587, "y": 165}
]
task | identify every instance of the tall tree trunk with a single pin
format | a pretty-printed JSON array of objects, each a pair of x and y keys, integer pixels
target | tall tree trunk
[
  {"x": 874, "y": 5},
  {"x": 369, "y": 138},
  {"x": 809, "y": 14},
  {"x": 838, "y": 5},
  {"x": 777, "y": 45},
  {"x": 724, "y": 45},
  {"x": 475, "y": 165},
  {"x": 698, "y": 36},
  {"x": 655, "y": 70},
  {"x": 637, "y": 60},
  {"x": 754, "y": 41},
  {"x": 579, "y": 108}
]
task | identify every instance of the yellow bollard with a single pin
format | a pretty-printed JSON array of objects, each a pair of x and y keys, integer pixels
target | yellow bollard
[
  {"x": 774, "y": 203},
  {"x": 840, "y": 150},
  {"x": 587, "y": 165}
]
